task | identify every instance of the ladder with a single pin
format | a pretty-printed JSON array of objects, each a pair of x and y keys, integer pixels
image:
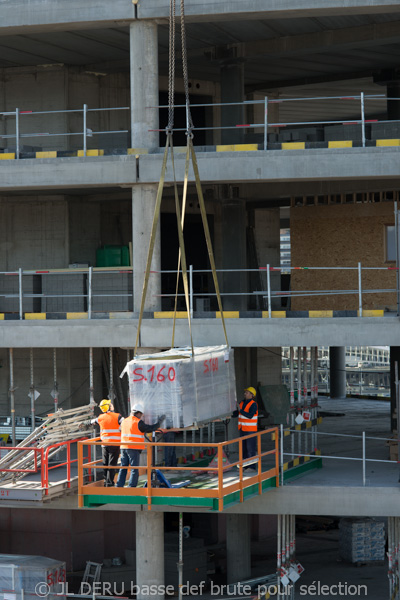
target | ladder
[{"x": 92, "y": 572}]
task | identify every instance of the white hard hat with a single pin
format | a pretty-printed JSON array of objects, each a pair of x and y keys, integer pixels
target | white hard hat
[{"x": 137, "y": 407}]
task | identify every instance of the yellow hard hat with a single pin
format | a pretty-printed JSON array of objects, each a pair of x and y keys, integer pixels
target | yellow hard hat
[
  {"x": 105, "y": 405},
  {"x": 251, "y": 390}
]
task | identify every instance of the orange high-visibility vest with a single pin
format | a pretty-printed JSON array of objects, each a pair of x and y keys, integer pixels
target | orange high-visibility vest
[
  {"x": 109, "y": 427},
  {"x": 245, "y": 424},
  {"x": 131, "y": 436}
]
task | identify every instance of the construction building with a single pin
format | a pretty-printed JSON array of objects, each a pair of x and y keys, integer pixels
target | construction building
[{"x": 296, "y": 111}]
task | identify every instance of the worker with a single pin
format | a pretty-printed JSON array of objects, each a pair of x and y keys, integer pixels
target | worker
[
  {"x": 110, "y": 431},
  {"x": 248, "y": 416},
  {"x": 132, "y": 443}
]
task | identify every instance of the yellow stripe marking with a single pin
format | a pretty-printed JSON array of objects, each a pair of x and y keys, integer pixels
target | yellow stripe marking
[
  {"x": 388, "y": 142},
  {"x": 296, "y": 462},
  {"x": 226, "y": 148},
  {"x": 293, "y": 146},
  {"x": 77, "y": 315},
  {"x": 228, "y": 314},
  {"x": 1, "y": 316},
  {"x": 35, "y": 316},
  {"x": 275, "y": 314},
  {"x": 170, "y": 314},
  {"x": 372, "y": 313},
  {"x": 91, "y": 153},
  {"x": 306, "y": 458},
  {"x": 138, "y": 150},
  {"x": 50, "y": 154},
  {"x": 341, "y": 144},
  {"x": 285, "y": 466},
  {"x": 320, "y": 314},
  {"x": 7, "y": 156}
]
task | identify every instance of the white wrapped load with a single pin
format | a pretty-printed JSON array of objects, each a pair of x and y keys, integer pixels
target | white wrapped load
[
  {"x": 23, "y": 576},
  {"x": 188, "y": 390}
]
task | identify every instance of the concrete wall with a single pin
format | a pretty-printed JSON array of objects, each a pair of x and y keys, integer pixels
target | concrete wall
[
  {"x": 33, "y": 233},
  {"x": 71, "y": 536},
  {"x": 72, "y": 379},
  {"x": 57, "y": 87},
  {"x": 341, "y": 235},
  {"x": 46, "y": 87},
  {"x": 269, "y": 366}
]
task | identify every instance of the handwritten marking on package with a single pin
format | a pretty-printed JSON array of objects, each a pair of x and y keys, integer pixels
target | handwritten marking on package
[
  {"x": 154, "y": 374},
  {"x": 210, "y": 365}
]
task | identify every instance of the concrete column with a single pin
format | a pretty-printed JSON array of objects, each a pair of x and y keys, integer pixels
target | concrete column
[
  {"x": 149, "y": 552},
  {"x": 143, "y": 203},
  {"x": 238, "y": 548},
  {"x": 393, "y": 106},
  {"x": 144, "y": 84},
  {"x": 144, "y": 94},
  {"x": 337, "y": 356},
  {"x": 394, "y": 357},
  {"x": 233, "y": 217},
  {"x": 232, "y": 90}
]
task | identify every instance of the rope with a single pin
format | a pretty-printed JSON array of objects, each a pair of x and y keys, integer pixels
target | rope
[{"x": 190, "y": 155}]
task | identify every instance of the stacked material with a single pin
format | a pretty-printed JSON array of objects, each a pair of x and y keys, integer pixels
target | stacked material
[
  {"x": 61, "y": 426},
  {"x": 362, "y": 540},
  {"x": 188, "y": 389},
  {"x": 24, "y": 576}
]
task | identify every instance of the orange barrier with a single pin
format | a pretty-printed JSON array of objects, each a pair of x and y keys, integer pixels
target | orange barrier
[{"x": 219, "y": 492}]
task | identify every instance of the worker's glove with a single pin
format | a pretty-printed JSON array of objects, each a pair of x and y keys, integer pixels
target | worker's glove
[
  {"x": 161, "y": 420},
  {"x": 85, "y": 424}
]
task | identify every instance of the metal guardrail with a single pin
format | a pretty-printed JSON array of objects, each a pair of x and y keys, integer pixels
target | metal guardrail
[
  {"x": 218, "y": 493},
  {"x": 90, "y": 274},
  {"x": 363, "y": 460},
  {"x": 84, "y": 132}
]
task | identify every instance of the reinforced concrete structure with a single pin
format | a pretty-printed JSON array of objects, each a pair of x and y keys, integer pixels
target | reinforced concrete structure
[{"x": 296, "y": 106}]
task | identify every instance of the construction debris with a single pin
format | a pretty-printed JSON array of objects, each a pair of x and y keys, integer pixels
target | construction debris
[{"x": 61, "y": 426}]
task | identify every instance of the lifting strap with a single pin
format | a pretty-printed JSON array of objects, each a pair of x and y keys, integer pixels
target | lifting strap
[{"x": 190, "y": 155}]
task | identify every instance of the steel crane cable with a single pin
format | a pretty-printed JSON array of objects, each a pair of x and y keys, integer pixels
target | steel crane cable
[{"x": 190, "y": 155}]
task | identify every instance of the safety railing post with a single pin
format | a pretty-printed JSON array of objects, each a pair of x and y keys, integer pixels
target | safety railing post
[
  {"x": 84, "y": 129},
  {"x": 363, "y": 457},
  {"x": 90, "y": 293},
  {"x": 191, "y": 291},
  {"x": 265, "y": 122},
  {"x": 363, "y": 119},
  {"x": 20, "y": 273},
  {"x": 281, "y": 453},
  {"x": 269, "y": 293},
  {"x": 359, "y": 291},
  {"x": 17, "y": 134}
]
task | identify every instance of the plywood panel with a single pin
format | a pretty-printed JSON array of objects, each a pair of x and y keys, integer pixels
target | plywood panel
[{"x": 341, "y": 236}]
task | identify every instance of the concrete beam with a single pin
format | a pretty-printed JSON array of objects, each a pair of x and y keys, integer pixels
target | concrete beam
[
  {"x": 28, "y": 16},
  {"x": 376, "y": 34},
  {"x": 338, "y": 501},
  {"x": 367, "y": 164},
  {"x": 204, "y": 10},
  {"x": 368, "y": 331}
]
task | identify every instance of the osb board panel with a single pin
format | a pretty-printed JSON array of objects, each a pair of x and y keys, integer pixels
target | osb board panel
[{"x": 341, "y": 236}]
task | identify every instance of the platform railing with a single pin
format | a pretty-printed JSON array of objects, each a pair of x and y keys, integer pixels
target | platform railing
[
  {"x": 41, "y": 461},
  {"x": 354, "y": 106},
  {"x": 222, "y": 488},
  {"x": 362, "y": 459},
  {"x": 14, "y": 288}
]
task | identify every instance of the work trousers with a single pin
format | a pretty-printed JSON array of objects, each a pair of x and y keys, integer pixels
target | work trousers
[
  {"x": 249, "y": 446},
  {"x": 129, "y": 457},
  {"x": 110, "y": 456}
]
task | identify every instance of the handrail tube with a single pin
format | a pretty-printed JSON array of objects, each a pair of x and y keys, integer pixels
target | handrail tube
[{"x": 221, "y": 490}]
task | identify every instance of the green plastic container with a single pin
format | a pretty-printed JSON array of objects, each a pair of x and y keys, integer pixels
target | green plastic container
[{"x": 112, "y": 256}]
